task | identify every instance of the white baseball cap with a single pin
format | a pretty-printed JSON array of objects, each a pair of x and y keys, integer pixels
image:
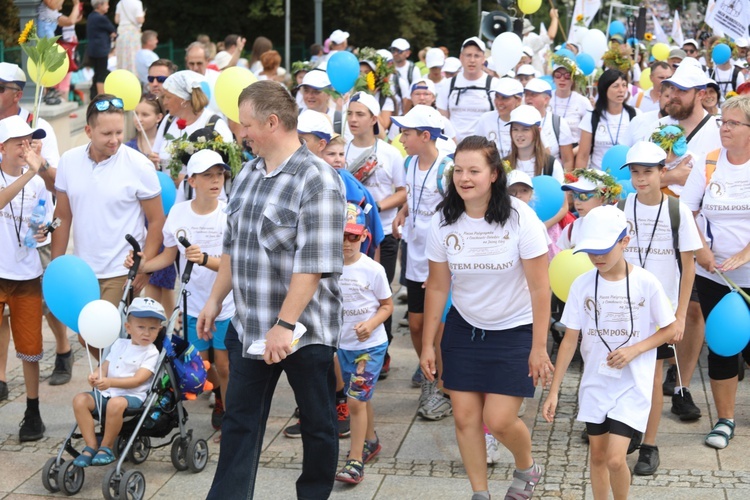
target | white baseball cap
[
  {"x": 693, "y": 42},
  {"x": 451, "y": 65},
  {"x": 425, "y": 84},
  {"x": 691, "y": 61},
  {"x": 339, "y": 36},
  {"x": 370, "y": 103},
  {"x": 601, "y": 229},
  {"x": 538, "y": 86},
  {"x": 525, "y": 115},
  {"x": 316, "y": 79},
  {"x": 12, "y": 73},
  {"x": 526, "y": 70},
  {"x": 528, "y": 51},
  {"x": 316, "y": 123},
  {"x": 518, "y": 176},
  {"x": 422, "y": 118},
  {"x": 222, "y": 59},
  {"x": 687, "y": 77},
  {"x": 645, "y": 153},
  {"x": 146, "y": 307},
  {"x": 741, "y": 42},
  {"x": 400, "y": 44},
  {"x": 434, "y": 57},
  {"x": 385, "y": 54},
  {"x": 475, "y": 40},
  {"x": 203, "y": 160},
  {"x": 507, "y": 87},
  {"x": 584, "y": 184},
  {"x": 14, "y": 127}
]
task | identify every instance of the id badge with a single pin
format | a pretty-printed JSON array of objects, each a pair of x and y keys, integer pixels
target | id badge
[
  {"x": 608, "y": 371},
  {"x": 21, "y": 253}
]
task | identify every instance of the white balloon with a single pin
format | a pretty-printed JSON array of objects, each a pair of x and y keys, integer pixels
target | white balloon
[
  {"x": 99, "y": 323},
  {"x": 507, "y": 50},
  {"x": 577, "y": 33},
  {"x": 594, "y": 43}
]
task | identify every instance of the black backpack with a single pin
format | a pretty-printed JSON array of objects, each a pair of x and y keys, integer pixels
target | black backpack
[
  {"x": 486, "y": 88},
  {"x": 735, "y": 72}
]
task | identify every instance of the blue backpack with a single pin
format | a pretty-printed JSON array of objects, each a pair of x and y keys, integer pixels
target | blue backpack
[{"x": 447, "y": 162}]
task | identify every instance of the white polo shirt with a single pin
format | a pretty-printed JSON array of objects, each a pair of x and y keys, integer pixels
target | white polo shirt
[{"x": 105, "y": 200}]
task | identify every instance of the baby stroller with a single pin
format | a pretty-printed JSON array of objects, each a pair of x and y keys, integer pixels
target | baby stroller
[{"x": 161, "y": 412}]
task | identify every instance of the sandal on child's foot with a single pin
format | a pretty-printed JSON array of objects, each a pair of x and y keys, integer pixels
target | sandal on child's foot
[
  {"x": 353, "y": 472},
  {"x": 103, "y": 457},
  {"x": 371, "y": 449},
  {"x": 83, "y": 460},
  {"x": 720, "y": 435},
  {"x": 528, "y": 481}
]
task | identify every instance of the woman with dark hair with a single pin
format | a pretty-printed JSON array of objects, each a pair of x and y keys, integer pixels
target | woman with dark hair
[
  {"x": 607, "y": 125},
  {"x": 491, "y": 251}
]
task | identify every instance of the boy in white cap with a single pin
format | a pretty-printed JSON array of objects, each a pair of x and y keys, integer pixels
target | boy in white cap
[
  {"x": 423, "y": 92},
  {"x": 507, "y": 96},
  {"x": 339, "y": 41},
  {"x": 618, "y": 308},
  {"x": 201, "y": 221},
  {"x": 556, "y": 134},
  {"x": 21, "y": 190},
  {"x": 663, "y": 238},
  {"x": 426, "y": 182},
  {"x": 590, "y": 188},
  {"x": 434, "y": 59},
  {"x": 122, "y": 382},
  {"x": 451, "y": 67},
  {"x": 525, "y": 73},
  {"x": 401, "y": 50},
  {"x": 313, "y": 87}
]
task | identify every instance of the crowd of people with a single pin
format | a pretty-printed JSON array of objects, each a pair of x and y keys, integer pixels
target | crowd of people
[{"x": 430, "y": 164}]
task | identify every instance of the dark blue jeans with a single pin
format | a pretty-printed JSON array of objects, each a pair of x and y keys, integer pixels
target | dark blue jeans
[{"x": 249, "y": 393}]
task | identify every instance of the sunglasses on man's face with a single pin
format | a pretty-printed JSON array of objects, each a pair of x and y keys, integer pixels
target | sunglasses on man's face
[
  {"x": 160, "y": 79},
  {"x": 3, "y": 88},
  {"x": 115, "y": 102}
]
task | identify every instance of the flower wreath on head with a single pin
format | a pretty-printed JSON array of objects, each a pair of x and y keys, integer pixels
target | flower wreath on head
[
  {"x": 298, "y": 66},
  {"x": 613, "y": 59},
  {"x": 725, "y": 41},
  {"x": 671, "y": 138},
  {"x": 607, "y": 187},
  {"x": 378, "y": 80},
  {"x": 579, "y": 79},
  {"x": 182, "y": 148}
]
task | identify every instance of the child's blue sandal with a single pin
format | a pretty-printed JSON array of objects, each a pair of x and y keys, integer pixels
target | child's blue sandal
[
  {"x": 720, "y": 435},
  {"x": 103, "y": 457},
  {"x": 84, "y": 460}
]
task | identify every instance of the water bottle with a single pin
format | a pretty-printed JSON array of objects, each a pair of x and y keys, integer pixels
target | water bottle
[{"x": 35, "y": 222}]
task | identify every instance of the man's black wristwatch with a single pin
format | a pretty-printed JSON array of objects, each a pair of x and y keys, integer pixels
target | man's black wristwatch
[{"x": 284, "y": 324}]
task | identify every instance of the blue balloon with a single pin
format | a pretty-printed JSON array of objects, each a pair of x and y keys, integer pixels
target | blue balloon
[
  {"x": 614, "y": 158},
  {"x": 627, "y": 188},
  {"x": 617, "y": 28},
  {"x": 67, "y": 286},
  {"x": 566, "y": 53},
  {"x": 721, "y": 53},
  {"x": 550, "y": 80},
  {"x": 206, "y": 88},
  {"x": 168, "y": 191},
  {"x": 586, "y": 64},
  {"x": 727, "y": 326},
  {"x": 343, "y": 71},
  {"x": 632, "y": 41},
  {"x": 548, "y": 197}
]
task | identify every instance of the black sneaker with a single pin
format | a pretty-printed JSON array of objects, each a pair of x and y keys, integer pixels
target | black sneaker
[
  {"x": 63, "y": 370},
  {"x": 635, "y": 441},
  {"x": 3, "y": 390},
  {"x": 684, "y": 407},
  {"x": 670, "y": 381},
  {"x": 294, "y": 431},
  {"x": 386, "y": 367},
  {"x": 648, "y": 461},
  {"x": 32, "y": 427},
  {"x": 342, "y": 409},
  {"x": 217, "y": 415}
]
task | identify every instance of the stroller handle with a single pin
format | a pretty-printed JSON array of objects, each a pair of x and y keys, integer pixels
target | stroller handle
[
  {"x": 189, "y": 265},
  {"x": 136, "y": 258}
]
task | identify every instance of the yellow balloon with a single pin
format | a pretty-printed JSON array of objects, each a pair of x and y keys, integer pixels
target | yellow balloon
[
  {"x": 49, "y": 78},
  {"x": 230, "y": 84},
  {"x": 564, "y": 269},
  {"x": 125, "y": 85},
  {"x": 396, "y": 143},
  {"x": 645, "y": 81},
  {"x": 529, "y": 6},
  {"x": 660, "y": 51}
]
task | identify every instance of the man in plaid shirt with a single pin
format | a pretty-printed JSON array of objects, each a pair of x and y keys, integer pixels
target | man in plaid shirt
[{"x": 282, "y": 258}]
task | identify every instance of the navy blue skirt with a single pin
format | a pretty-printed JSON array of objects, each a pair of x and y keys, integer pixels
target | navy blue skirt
[{"x": 489, "y": 361}]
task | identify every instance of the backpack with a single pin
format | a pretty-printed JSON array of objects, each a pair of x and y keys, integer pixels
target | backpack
[
  {"x": 733, "y": 81},
  {"x": 673, "y": 209},
  {"x": 549, "y": 166},
  {"x": 447, "y": 161},
  {"x": 556, "y": 127},
  {"x": 486, "y": 88},
  {"x": 337, "y": 122},
  {"x": 595, "y": 117},
  {"x": 409, "y": 73}
]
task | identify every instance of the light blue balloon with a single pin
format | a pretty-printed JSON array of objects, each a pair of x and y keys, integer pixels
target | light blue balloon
[
  {"x": 728, "y": 325},
  {"x": 586, "y": 63},
  {"x": 168, "y": 191},
  {"x": 68, "y": 285},
  {"x": 627, "y": 188},
  {"x": 550, "y": 80},
  {"x": 617, "y": 28},
  {"x": 548, "y": 197},
  {"x": 721, "y": 53},
  {"x": 343, "y": 71},
  {"x": 206, "y": 88},
  {"x": 566, "y": 53},
  {"x": 613, "y": 159}
]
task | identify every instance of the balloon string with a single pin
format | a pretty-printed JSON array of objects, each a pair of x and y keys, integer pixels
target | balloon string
[
  {"x": 143, "y": 131},
  {"x": 731, "y": 284},
  {"x": 91, "y": 369},
  {"x": 677, "y": 365}
]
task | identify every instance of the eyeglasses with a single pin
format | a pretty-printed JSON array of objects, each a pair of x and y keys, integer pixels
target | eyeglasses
[
  {"x": 396, "y": 51},
  {"x": 562, "y": 75},
  {"x": 691, "y": 51},
  {"x": 352, "y": 238},
  {"x": 104, "y": 105},
  {"x": 730, "y": 124},
  {"x": 584, "y": 196},
  {"x": 3, "y": 88},
  {"x": 160, "y": 79}
]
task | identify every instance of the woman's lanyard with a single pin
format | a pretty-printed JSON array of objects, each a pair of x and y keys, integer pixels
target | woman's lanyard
[
  {"x": 617, "y": 137},
  {"x": 642, "y": 260},
  {"x": 567, "y": 103},
  {"x": 596, "y": 309},
  {"x": 421, "y": 191},
  {"x": 12, "y": 214},
  {"x": 499, "y": 140}
]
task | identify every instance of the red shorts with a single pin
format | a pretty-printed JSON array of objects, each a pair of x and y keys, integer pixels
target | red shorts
[{"x": 24, "y": 298}]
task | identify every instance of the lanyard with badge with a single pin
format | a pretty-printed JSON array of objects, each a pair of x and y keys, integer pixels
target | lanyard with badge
[
  {"x": 21, "y": 251},
  {"x": 642, "y": 259},
  {"x": 567, "y": 103},
  {"x": 604, "y": 368},
  {"x": 421, "y": 191},
  {"x": 617, "y": 137}
]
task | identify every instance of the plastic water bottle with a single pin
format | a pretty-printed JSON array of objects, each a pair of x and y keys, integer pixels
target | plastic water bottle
[{"x": 35, "y": 222}]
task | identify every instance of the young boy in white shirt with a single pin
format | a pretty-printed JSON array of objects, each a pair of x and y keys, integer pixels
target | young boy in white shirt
[
  {"x": 590, "y": 188},
  {"x": 363, "y": 341},
  {"x": 618, "y": 308}
]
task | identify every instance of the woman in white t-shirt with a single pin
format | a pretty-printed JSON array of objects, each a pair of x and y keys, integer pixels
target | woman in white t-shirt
[
  {"x": 490, "y": 250},
  {"x": 129, "y": 17},
  {"x": 607, "y": 125},
  {"x": 718, "y": 191}
]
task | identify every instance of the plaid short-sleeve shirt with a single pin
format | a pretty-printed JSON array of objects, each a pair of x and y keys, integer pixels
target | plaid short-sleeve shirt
[{"x": 289, "y": 221}]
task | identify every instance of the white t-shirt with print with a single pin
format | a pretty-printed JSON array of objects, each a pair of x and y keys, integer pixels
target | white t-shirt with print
[
  {"x": 423, "y": 197},
  {"x": 529, "y": 166},
  {"x": 660, "y": 260},
  {"x": 642, "y": 127},
  {"x": 387, "y": 176},
  {"x": 612, "y": 130},
  {"x": 125, "y": 359},
  {"x": 726, "y": 207},
  {"x": 572, "y": 109},
  {"x": 495, "y": 129},
  {"x": 471, "y": 103},
  {"x": 489, "y": 286},
  {"x": 549, "y": 139},
  {"x": 625, "y": 397},
  {"x": 105, "y": 200},
  {"x": 206, "y": 231},
  {"x": 363, "y": 286},
  {"x": 707, "y": 139},
  {"x": 29, "y": 266}
]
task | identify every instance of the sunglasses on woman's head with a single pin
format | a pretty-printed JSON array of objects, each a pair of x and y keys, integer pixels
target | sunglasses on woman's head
[
  {"x": 160, "y": 79},
  {"x": 104, "y": 105}
]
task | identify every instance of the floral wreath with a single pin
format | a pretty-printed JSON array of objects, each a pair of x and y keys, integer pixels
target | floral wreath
[
  {"x": 615, "y": 60},
  {"x": 298, "y": 66},
  {"x": 579, "y": 79},
  {"x": 181, "y": 148},
  {"x": 671, "y": 138},
  {"x": 609, "y": 191},
  {"x": 726, "y": 41},
  {"x": 378, "y": 80}
]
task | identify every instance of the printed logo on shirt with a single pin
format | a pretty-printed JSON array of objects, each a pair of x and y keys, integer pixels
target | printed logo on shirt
[
  {"x": 614, "y": 308},
  {"x": 591, "y": 307},
  {"x": 181, "y": 233},
  {"x": 631, "y": 228},
  {"x": 454, "y": 243}
]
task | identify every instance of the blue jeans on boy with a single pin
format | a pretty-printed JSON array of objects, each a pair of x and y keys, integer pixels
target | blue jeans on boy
[{"x": 310, "y": 372}]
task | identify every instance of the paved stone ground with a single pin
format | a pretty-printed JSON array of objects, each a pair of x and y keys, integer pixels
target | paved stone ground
[{"x": 419, "y": 460}]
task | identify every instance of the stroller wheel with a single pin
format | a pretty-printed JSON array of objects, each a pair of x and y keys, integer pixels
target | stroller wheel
[
  {"x": 138, "y": 453},
  {"x": 111, "y": 484},
  {"x": 197, "y": 456},
  {"x": 70, "y": 478},
  {"x": 132, "y": 485},
  {"x": 179, "y": 453},
  {"x": 49, "y": 475}
]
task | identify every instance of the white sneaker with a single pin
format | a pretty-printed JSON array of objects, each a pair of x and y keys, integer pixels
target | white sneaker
[
  {"x": 211, "y": 399},
  {"x": 428, "y": 389},
  {"x": 493, "y": 452},
  {"x": 436, "y": 407},
  {"x": 522, "y": 409}
]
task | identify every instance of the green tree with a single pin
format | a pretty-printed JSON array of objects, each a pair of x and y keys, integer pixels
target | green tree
[{"x": 9, "y": 28}]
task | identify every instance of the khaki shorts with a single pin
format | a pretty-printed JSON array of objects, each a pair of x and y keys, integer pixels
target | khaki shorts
[
  {"x": 24, "y": 298},
  {"x": 111, "y": 289}
]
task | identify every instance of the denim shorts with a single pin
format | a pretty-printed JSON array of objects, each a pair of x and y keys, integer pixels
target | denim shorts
[
  {"x": 133, "y": 402},
  {"x": 360, "y": 370},
  {"x": 217, "y": 342}
]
